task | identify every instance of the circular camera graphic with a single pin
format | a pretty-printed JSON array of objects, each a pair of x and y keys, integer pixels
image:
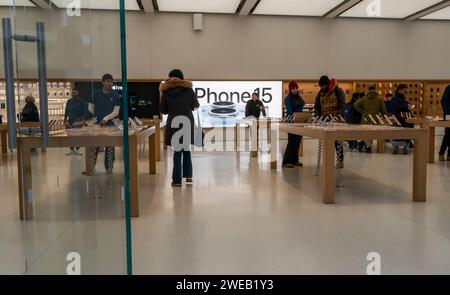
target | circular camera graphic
[
  {"x": 223, "y": 112},
  {"x": 223, "y": 104}
]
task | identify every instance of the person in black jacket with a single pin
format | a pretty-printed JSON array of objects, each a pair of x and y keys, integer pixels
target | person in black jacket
[
  {"x": 29, "y": 112},
  {"x": 446, "y": 140},
  {"x": 179, "y": 100},
  {"x": 255, "y": 107},
  {"x": 352, "y": 116},
  {"x": 401, "y": 107}
]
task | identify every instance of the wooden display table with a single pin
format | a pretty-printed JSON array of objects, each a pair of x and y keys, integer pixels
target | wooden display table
[
  {"x": 89, "y": 138},
  {"x": 4, "y": 133},
  {"x": 342, "y": 132},
  {"x": 431, "y": 126},
  {"x": 158, "y": 124},
  {"x": 254, "y": 126}
]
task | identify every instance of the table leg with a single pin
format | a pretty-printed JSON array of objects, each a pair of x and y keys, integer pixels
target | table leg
[
  {"x": 237, "y": 136},
  {"x": 158, "y": 142},
  {"x": 328, "y": 175},
  {"x": 431, "y": 142},
  {"x": 254, "y": 139},
  {"x": 381, "y": 148},
  {"x": 89, "y": 151},
  {"x": 152, "y": 154},
  {"x": 273, "y": 148},
  {"x": 420, "y": 170},
  {"x": 4, "y": 145},
  {"x": 25, "y": 182},
  {"x": 300, "y": 152},
  {"x": 134, "y": 175}
]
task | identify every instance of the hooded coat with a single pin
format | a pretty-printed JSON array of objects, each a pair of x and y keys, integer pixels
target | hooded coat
[
  {"x": 371, "y": 104},
  {"x": 178, "y": 99}
]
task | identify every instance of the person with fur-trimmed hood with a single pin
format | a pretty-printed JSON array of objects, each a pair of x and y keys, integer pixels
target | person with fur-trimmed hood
[
  {"x": 178, "y": 99},
  {"x": 330, "y": 101}
]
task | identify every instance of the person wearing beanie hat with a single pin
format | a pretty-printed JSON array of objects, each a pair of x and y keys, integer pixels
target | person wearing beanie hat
[
  {"x": 330, "y": 101},
  {"x": 178, "y": 101},
  {"x": 105, "y": 106},
  {"x": 294, "y": 103}
]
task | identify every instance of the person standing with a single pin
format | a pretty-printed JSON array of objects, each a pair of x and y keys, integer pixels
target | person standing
[
  {"x": 294, "y": 103},
  {"x": 76, "y": 112},
  {"x": 370, "y": 105},
  {"x": 30, "y": 111},
  {"x": 255, "y": 107},
  {"x": 400, "y": 107},
  {"x": 388, "y": 104},
  {"x": 105, "y": 106},
  {"x": 445, "y": 146},
  {"x": 351, "y": 116},
  {"x": 178, "y": 101},
  {"x": 330, "y": 101}
]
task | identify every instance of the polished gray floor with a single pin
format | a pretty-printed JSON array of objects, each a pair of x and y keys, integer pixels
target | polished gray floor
[{"x": 238, "y": 217}]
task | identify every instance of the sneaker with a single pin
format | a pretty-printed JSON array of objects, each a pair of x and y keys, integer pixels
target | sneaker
[
  {"x": 340, "y": 165},
  {"x": 299, "y": 164},
  {"x": 288, "y": 166},
  {"x": 189, "y": 179},
  {"x": 442, "y": 158},
  {"x": 176, "y": 184},
  {"x": 396, "y": 149}
]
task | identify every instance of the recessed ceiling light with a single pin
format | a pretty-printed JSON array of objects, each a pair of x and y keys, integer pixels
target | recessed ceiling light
[
  {"x": 205, "y": 6},
  {"x": 388, "y": 8},
  {"x": 17, "y": 2},
  {"x": 296, "y": 7},
  {"x": 99, "y": 4},
  {"x": 443, "y": 14}
]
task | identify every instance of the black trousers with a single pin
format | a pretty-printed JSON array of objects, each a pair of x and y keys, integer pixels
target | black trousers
[
  {"x": 292, "y": 149},
  {"x": 445, "y": 146}
]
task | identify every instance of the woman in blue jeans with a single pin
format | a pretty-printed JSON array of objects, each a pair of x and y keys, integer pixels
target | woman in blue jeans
[{"x": 178, "y": 100}]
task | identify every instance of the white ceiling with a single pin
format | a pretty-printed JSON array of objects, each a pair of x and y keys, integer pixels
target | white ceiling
[
  {"x": 99, "y": 4},
  {"x": 443, "y": 14},
  {"x": 204, "y": 6},
  {"x": 296, "y": 7},
  {"x": 390, "y": 8},
  {"x": 18, "y": 3}
]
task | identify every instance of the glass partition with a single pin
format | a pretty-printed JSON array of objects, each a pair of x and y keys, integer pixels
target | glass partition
[{"x": 66, "y": 205}]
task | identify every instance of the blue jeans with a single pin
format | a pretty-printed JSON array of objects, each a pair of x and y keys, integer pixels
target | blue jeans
[{"x": 181, "y": 171}]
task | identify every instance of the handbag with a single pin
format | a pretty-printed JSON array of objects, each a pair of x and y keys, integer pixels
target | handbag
[{"x": 199, "y": 135}]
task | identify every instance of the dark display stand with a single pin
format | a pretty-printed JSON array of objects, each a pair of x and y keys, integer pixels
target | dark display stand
[{"x": 143, "y": 97}]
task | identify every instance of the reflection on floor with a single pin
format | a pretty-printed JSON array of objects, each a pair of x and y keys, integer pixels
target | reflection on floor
[{"x": 238, "y": 217}]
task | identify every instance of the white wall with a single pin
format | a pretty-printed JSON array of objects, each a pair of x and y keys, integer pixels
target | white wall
[{"x": 235, "y": 47}]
